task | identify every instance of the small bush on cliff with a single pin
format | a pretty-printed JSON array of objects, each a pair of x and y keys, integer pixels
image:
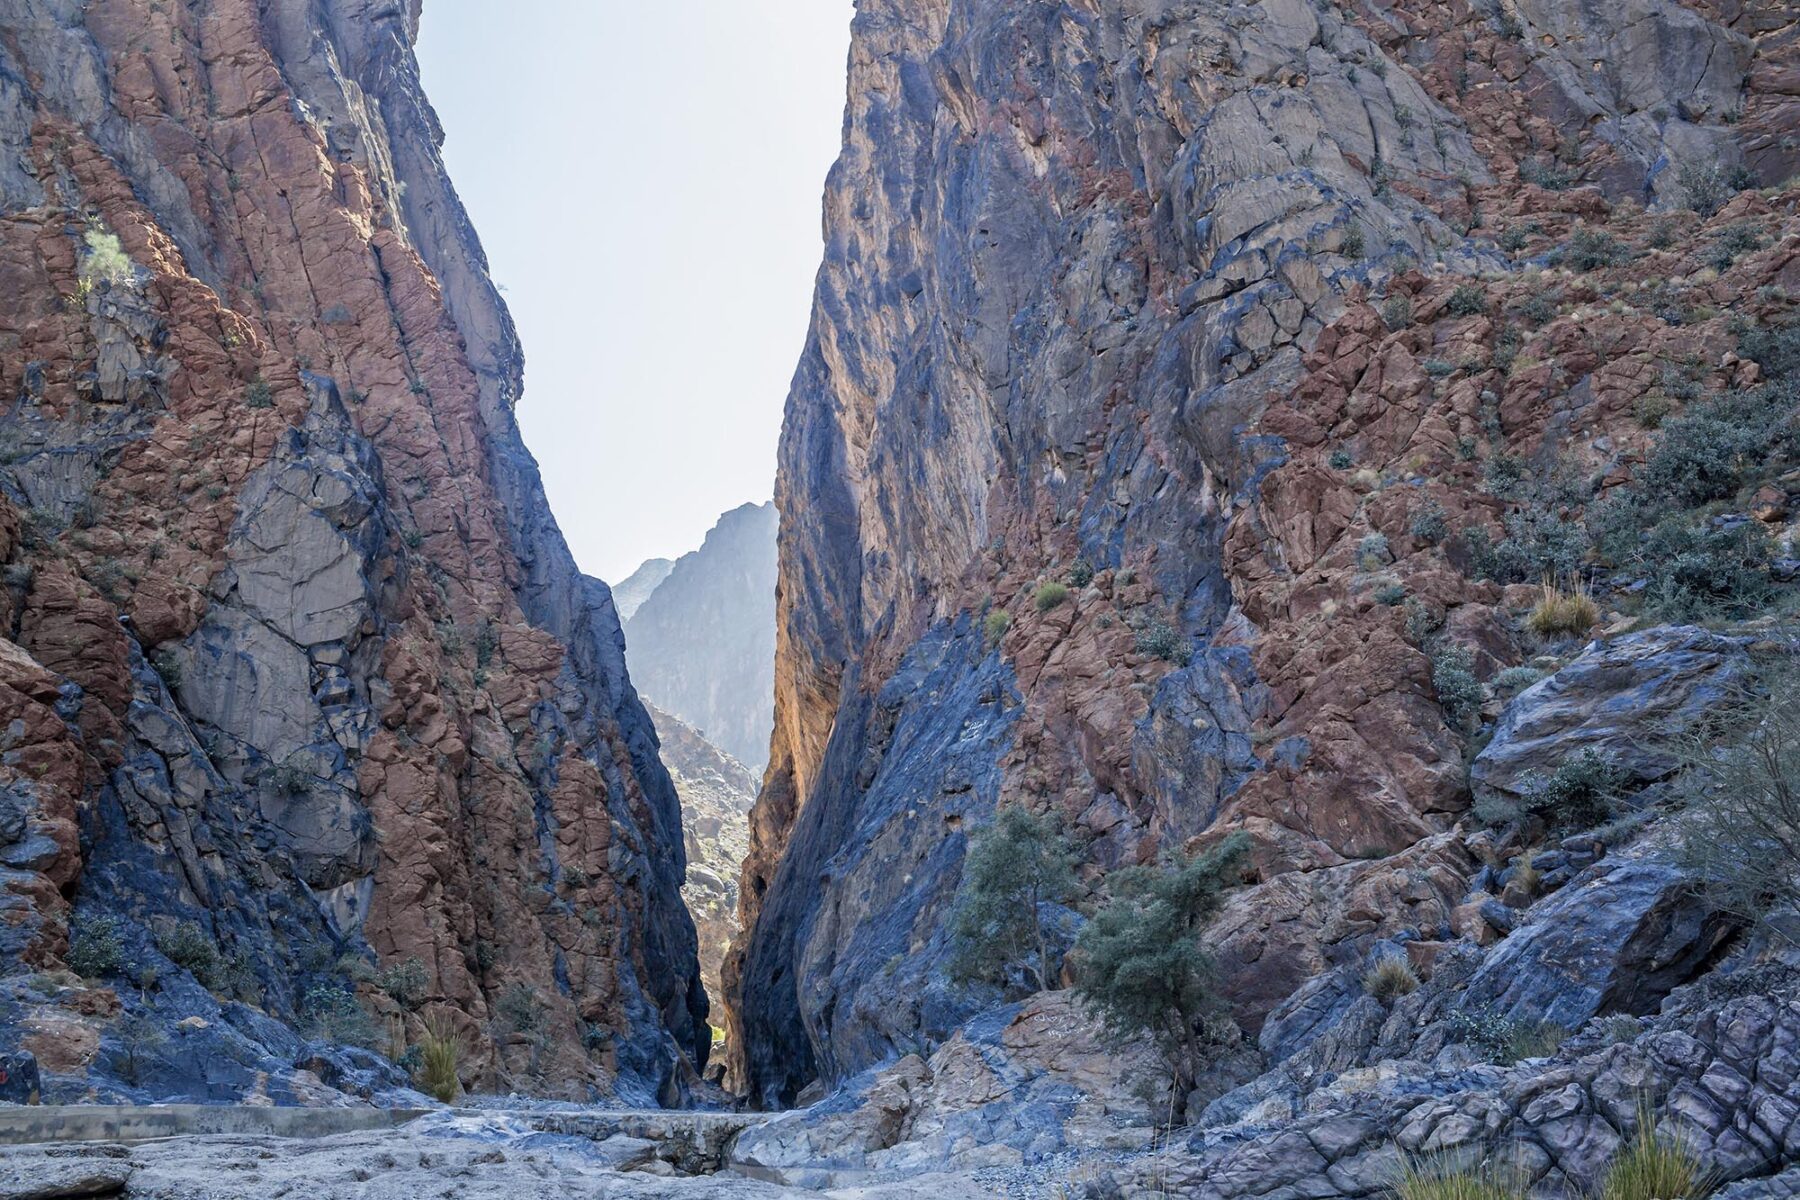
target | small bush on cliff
[
  {"x": 1706, "y": 188},
  {"x": 1397, "y": 311},
  {"x": 1590, "y": 250},
  {"x": 190, "y": 947},
  {"x": 1081, "y": 574},
  {"x": 329, "y": 1013},
  {"x": 1467, "y": 300},
  {"x": 1579, "y": 794},
  {"x": 1161, "y": 640},
  {"x": 1013, "y": 866},
  {"x": 1389, "y": 979},
  {"x": 1050, "y": 595},
  {"x": 1430, "y": 523},
  {"x": 1458, "y": 691},
  {"x": 405, "y": 982},
  {"x": 1142, "y": 966},
  {"x": 105, "y": 260},
  {"x": 995, "y": 625},
  {"x": 95, "y": 948},
  {"x": 520, "y": 1009},
  {"x": 1740, "y": 827},
  {"x": 258, "y": 395}
]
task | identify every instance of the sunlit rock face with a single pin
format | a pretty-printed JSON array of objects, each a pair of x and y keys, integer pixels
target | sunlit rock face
[
  {"x": 1095, "y": 310},
  {"x": 702, "y": 643},
  {"x": 295, "y": 651}
]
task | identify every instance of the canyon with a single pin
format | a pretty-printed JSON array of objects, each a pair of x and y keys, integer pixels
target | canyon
[{"x": 1371, "y": 429}]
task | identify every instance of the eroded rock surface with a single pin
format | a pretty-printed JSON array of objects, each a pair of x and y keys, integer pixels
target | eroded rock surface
[{"x": 312, "y": 728}]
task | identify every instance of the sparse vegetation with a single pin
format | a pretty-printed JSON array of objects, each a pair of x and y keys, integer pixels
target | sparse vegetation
[
  {"x": 1013, "y": 866},
  {"x": 95, "y": 947},
  {"x": 1561, "y": 613},
  {"x": 995, "y": 625},
  {"x": 258, "y": 394},
  {"x": 330, "y": 1013},
  {"x": 1161, "y": 640},
  {"x": 1651, "y": 1166},
  {"x": 1081, "y": 574},
  {"x": 1458, "y": 691},
  {"x": 1740, "y": 827},
  {"x": 519, "y": 1008},
  {"x": 1050, "y": 595},
  {"x": 1514, "y": 680},
  {"x": 440, "y": 1057},
  {"x": 1466, "y": 300},
  {"x": 1706, "y": 188},
  {"x": 1443, "y": 1179},
  {"x": 190, "y": 947},
  {"x": 1390, "y": 978},
  {"x": 1353, "y": 244},
  {"x": 105, "y": 260},
  {"x": 1502, "y": 1039},
  {"x": 1430, "y": 523},
  {"x": 1340, "y": 460},
  {"x": 1581, "y": 793},
  {"x": 1397, "y": 311},
  {"x": 1142, "y": 966},
  {"x": 405, "y": 982}
]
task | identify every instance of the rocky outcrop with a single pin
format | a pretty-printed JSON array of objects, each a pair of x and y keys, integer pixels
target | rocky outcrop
[
  {"x": 630, "y": 593},
  {"x": 716, "y": 793},
  {"x": 312, "y": 723},
  {"x": 1214, "y": 318},
  {"x": 703, "y": 643}
]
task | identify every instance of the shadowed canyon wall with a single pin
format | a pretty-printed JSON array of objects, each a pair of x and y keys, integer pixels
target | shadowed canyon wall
[
  {"x": 1095, "y": 312},
  {"x": 295, "y": 655}
]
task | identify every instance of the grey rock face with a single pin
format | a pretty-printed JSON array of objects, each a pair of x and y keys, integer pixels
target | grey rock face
[
  {"x": 1618, "y": 938},
  {"x": 630, "y": 593},
  {"x": 702, "y": 645},
  {"x": 1631, "y": 699}
]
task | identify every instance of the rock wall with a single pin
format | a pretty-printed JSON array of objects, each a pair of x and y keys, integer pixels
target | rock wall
[
  {"x": 716, "y": 793},
  {"x": 1102, "y": 306},
  {"x": 703, "y": 643},
  {"x": 302, "y": 679}
]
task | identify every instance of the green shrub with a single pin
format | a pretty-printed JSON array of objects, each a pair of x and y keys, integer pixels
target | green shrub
[
  {"x": 995, "y": 625},
  {"x": 1142, "y": 966},
  {"x": 1776, "y": 349},
  {"x": 1699, "y": 570},
  {"x": 1013, "y": 865},
  {"x": 1159, "y": 639},
  {"x": 1397, "y": 311},
  {"x": 168, "y": 666},
  {"x": 1740, "y": 794},
  {"x": 405, "y": 982},
  {"x": 190, "y": 947},
  {"x": 1708, "y": 188},
  {"x": 1372, "y": 551},
  {"x": 1590, "y": 250},
  {"x": 1563, "y": 613},
  {"x": 1353, "y": 244},
  {"x": 105, "y": 260},
  {"x": 1050, "y": 595},
  {"x": 1390, "y": 978},
  {"x": 1390, "y": 594},
  {"x": 1734, "y": 241},
  {"x": 258, "y": 394},
  {"x": 1504, "y": 1040},
  {"x": 520, "y": 1009},
  {"x": 1081, "y": 574},
  {"x": 1340, "y": 460},
  {"x": 1538, "y": 309},
  {"x": 1458, "y": 691},
  {"x": 1503, "y": 475},
  {"x": 1438, "y": 368},
  {"x": 1466, "y": 300},
  {"x": 1538, "y": 544},
  {"x": 95, "y": 948},
  {"x": 329, "y": 1013},
  {"x": 1581, "y": 793},
  {"x": 1701, "y": 456},
  {"x": 1430, "y": 523},
  {"x": 1516, "y": 679},
  {"x": 1513, "y": 240},
  {"x": 1547, "y": 175}
]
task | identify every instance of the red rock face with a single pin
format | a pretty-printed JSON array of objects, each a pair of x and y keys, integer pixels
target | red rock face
[
  {"x": 269, "y": 503},
  {"x": 1103, "y": 306}
]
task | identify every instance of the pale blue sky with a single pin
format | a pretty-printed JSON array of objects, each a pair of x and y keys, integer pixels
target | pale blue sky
[{"x": 645, "y": 176}]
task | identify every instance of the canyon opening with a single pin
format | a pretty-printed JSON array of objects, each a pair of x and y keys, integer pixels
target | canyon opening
[{"x": 1224, "y": 625}]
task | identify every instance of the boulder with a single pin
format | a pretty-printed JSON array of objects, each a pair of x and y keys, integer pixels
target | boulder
[{"x": 1618, "y": 939}]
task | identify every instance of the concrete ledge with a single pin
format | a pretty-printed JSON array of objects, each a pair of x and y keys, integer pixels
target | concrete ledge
[{"x": 137, "y": 1123}]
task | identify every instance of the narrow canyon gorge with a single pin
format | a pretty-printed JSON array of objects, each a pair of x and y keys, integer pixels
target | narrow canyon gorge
[{"x": 1331, "y": 463}]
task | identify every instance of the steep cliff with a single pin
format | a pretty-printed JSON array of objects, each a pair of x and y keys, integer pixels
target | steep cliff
[
  {"x": 311, "y": 714},
  {"x": 716, "y": 793},
  {"x": 1218, "y": 316},
  {"x": 703, "y": 644},
  {"x": 630, "y": 593}
]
